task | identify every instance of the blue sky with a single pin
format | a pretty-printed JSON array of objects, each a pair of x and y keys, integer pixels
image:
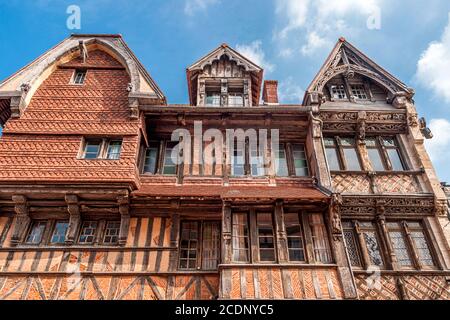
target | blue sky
[{"x": 289, "y": 38}]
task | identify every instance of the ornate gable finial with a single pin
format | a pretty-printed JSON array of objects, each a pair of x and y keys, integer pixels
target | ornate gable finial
[{"x": 83, "y": 51}]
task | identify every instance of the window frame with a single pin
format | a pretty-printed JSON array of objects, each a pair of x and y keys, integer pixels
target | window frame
[
  {"x": 103, "y": 151},
  {"x": 200, "y": 244},
  {"x": 342, "y": 159},
  {"x": 52, "y": 234},
  {"x": 74, "y": 77}
]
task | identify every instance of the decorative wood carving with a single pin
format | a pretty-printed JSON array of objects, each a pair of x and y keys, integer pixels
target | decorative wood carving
[
  {"x": 124, "y": 210},
  {"x": 226, "y": 233},
  {"x": 73, "y": 208},
  {"x": 335, "y": 216},
  {"x": 22, "y": 220}
]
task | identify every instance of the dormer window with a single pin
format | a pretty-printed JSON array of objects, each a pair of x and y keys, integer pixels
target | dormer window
[
  {"x": 358, "y": 91},
  {"x": 79, "y": 76},
  {"x": 338, "y": 92}
]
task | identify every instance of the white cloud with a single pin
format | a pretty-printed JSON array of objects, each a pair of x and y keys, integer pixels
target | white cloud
[
  {"x": 439, "y": 147},
  {"x": 434, "y": 65},
  {"x": 255, "y": 53},
  {"x": 290, "y": 92},
  {"x": 321, "y": 22},
  {"x": 193, "y": 6}
]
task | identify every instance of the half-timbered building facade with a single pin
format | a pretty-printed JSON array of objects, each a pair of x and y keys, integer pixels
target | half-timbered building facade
[{"x": 337, "y": 200}]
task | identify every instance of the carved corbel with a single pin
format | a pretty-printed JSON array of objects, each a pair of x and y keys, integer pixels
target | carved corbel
[
  {"x": 133, "y": 104},
  {"x": 226, "y": 232},
  {"x": 361, "y": 126},
  {"x": 424, "y": 129},
  {"x": 316, "y": 126},
  {"x": 413, "y": 120},
  {"x": 18, "y": 102},
  {"x": 73, "y": 208},
  {"x": 124, "y": 210},
  {"x": 441, "y": 207},
  {"x": 335, "y": 216},
  {"x": 400, "y": 100},
  {"x": 22, "y": 218},
  {"x": 181, "y": 119}
]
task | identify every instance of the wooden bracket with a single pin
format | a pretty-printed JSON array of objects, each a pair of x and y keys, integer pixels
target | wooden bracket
[
  {"x": 22, "y": 218},
  {"x": 73, "y": 208},
  {"x": 124, "y": 210}
]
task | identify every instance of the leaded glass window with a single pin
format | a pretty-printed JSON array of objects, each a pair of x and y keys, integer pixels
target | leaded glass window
[
  {"x": 338, "y": 92},
  {"x": 373, "y": 249},
  {"x": 88, "y": 230},
  {"x": 189, "y": 245},
  {"x": 111, "y": 232},
  {"x": 358, "y": 91},
  {"x": 351, "y": 244}
]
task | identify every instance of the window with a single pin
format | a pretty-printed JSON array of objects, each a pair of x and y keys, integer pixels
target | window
[
  {"x": 235, "y": 99},
  {"x": 79, "y": 76},
  {"x": 169, "y": 165},
  {"x": 342, "y": 154},
  {"x": 151, "y": 159},
  {"x": 213, "y": 99},
  {"x": 88, "y": 230},
  {"x": 266, "y": 241},
  {"x": 114, "y": 150},
  {"x": 332, "y": 154},
  {"x": 36, "y": 232},
  {"x": 358, "y": 91},
  {"x": 199, "y": 245},
  {"x": 294, "y": 237},
  {"x": 371, "y": 243},
  {"x": 111, "y": 232},
  {"x": 59, "y": 232},
  {"x": 338, "y": 92},
  {"x": 375, "y": 154},
  {"x": 92, "y": 149},
  {"x": 189, "y": 245},
  {"x": 238, "y": 162},
  {"x": 240, "y": 237},
  {"x": 384, "y": 154},
  {"x": 321, "y": 246},
  {"x": 101, "y": 149},
  {"x": 300, "y": 163},
  {"x": 257, "y": 168},
  {"x": 351, "y": 244},
  {"x": 408, "y": 238},
  {"x": 393, "y": 153},
  {"x": 282, "y": 169}
]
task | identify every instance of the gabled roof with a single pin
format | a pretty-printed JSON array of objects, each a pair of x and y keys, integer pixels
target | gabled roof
[
  {"x": 25, "y": 82},
  {"x": 233, "y": 55},
  {"x": 347, "y": 59}
]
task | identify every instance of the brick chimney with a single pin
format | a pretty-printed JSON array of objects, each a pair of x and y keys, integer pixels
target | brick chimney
[{"x": 270, "y": 92}]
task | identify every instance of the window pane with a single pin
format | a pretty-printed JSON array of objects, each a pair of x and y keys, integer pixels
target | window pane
[
  {"x": 256, "y": 162},
  {"x": 358, "y": 91},
  {"x": 294, "y": 237},
  {"x": 235, "y": 100},
  {"x": 400, "y": 248},
  {"x": 332, "y": 159},
  {"x": 240, "y": 237},
  {"x": 300, "y": 163},
  {"x": 79, "y": 77},
  {"x": 375, "y": 159},
  {"x": 211, "y": 245},
  {"x": 169, "y": 165},
  {"x": 281, "y": 161},
  {"x": 352, "y": 247},
  {"x": 189, "y": 239},
  {"x": 338, "y": 92},
  {"x": 213, "y": 99},
  {"x": 36, "y": 232},
  {"x": 151, "y": 157},
  {"x": 373, "y": 249},
  {"x": 351, "y": 157},
  {"x": 265, "y": 237},
  {"x": 59, "y": 233},
  {"x": 92, "y": 149},
  {"x": 111, "y": 232},
  {"x": 114, "y": 150},
  {"x": 87, "y": 234},
  {"x": 238, "y": 163},
  {"x": 395, "y": 160},
  {"x": 321, "y": 246}
]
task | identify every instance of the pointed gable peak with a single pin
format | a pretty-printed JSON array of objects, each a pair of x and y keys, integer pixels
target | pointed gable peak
[{"x": 347, "y": 60}]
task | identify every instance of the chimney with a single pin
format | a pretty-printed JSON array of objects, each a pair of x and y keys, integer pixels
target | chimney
[{"x": 270, "y": 92}]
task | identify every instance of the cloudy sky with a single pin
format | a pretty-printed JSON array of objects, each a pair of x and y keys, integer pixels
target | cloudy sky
[{"x": 289, "y": 38}]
